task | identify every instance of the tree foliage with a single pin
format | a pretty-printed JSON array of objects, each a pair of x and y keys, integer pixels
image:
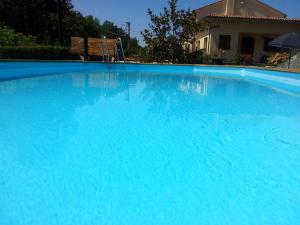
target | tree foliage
[
  {"x": 39, "y": 18},
  {"x": 33, "y": 17},
  {"x": 8, "y": 37},
  {"x": 169, "y": 32}
]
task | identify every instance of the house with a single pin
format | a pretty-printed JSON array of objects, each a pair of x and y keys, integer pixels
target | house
[{"x": 243, "y": 28}]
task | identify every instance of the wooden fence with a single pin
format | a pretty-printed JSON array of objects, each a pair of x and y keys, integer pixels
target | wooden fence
[{"x": 96, "y": 46}]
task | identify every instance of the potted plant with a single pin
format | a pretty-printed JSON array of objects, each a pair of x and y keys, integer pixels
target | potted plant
[{"x": 218, "y": 57}]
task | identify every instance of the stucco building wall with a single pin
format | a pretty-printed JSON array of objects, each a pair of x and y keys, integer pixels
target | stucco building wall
[
  {"x": 239, "y": 28},
  {"x": 238, "y": 18}
]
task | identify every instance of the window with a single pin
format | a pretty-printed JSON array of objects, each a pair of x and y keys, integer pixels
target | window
[
  {"x": 248, "y": 45},
  {"x": 268, "y": 48},
  {"x": 224, "y": 42}
]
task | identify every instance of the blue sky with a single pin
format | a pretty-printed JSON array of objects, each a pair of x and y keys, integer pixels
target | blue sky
[{"x": 120, "y": 11}]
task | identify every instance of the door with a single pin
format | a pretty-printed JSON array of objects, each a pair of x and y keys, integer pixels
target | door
[{"x": 247, "y": 46}]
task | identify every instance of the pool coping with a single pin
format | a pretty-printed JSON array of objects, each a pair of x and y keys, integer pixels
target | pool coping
[{"x": 270, "y": 68}]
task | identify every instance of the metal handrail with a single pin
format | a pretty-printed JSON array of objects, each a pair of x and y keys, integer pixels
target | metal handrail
[{"x": 122, "y": 49}]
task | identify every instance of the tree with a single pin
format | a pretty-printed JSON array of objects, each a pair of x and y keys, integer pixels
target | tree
[
  {"x": 92, "y": 27},
  {"x": 110, "y": 30},
  {"x": 169, "y": 32},
  {"x": 77, "y": 25},
  {"x": 39, "y": 18},
  {"x": 8, "y": 37},
  {"x": 33, "y": 17}
]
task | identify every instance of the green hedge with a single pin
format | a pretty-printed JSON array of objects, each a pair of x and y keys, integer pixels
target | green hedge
[{"x": 36, "y": 52}]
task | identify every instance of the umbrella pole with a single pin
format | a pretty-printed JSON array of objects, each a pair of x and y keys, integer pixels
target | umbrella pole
[{"x": 290, "y": 56}]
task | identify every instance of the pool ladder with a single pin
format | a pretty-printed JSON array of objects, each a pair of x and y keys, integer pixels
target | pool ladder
[
  {"x": 121, "y": 49},
  {"x": 118, "y": 50}
]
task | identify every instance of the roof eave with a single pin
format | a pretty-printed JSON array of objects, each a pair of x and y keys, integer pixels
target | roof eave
[{"x": 266, "y": 19}]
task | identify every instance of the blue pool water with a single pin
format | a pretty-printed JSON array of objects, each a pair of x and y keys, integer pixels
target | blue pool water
[{"x": 85, "y": 144}]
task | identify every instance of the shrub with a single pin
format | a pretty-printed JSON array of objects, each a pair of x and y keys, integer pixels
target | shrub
[
  {"x": 194, "y": 57},
  {"x": 36, "y": 52},
  {"x": 237, "y": 59},
  {"x": 8, "y": 37},
  {"x": 206, "y": 58}
]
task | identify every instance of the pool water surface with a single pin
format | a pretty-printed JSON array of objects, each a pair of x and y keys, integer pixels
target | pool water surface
[{"x": 119, "y": 147}]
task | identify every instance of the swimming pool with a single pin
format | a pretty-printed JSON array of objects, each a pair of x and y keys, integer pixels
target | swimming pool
[{"x": 152, "y": 145}]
